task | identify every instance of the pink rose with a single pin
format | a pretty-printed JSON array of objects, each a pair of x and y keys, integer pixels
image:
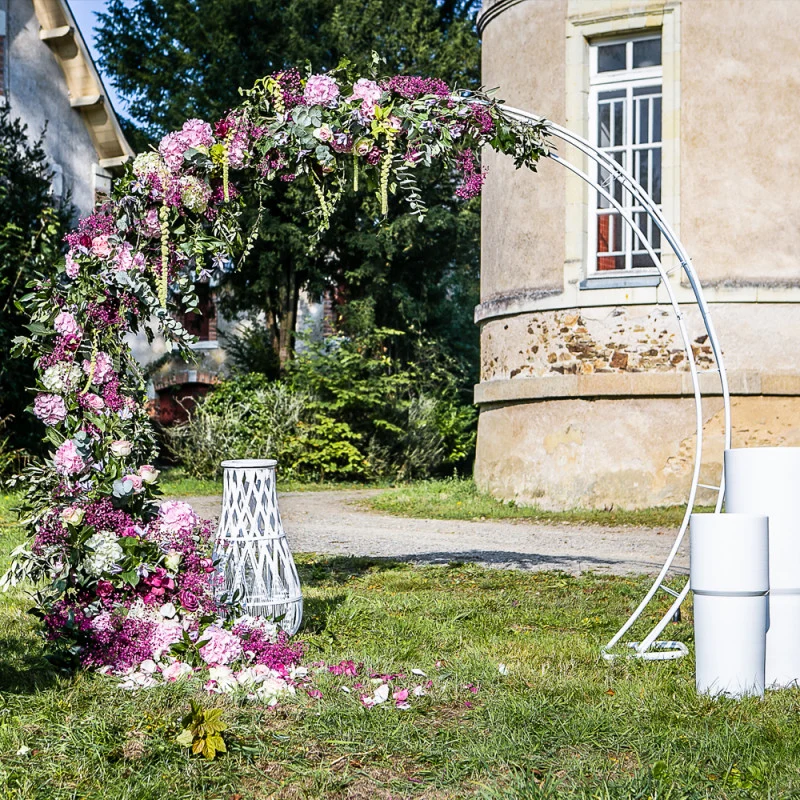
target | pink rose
[
  {"x": 136, "y": 481},
  {"x": 207, "y": 564},
  {"x": 92, "y": 402},
  {"x": 321, "y": 90},
  {"x": 395, "y": 123},
  {"x": 50, "y": 408},
  {"x": 104, "y": 588},
  {"x": 67, "y": 325},
  {"x": 363, "y": 146},
  {"x": 68, "y": 460},
  {"x": 188, "y": 600},
  {"x": 101, "y": 247}
]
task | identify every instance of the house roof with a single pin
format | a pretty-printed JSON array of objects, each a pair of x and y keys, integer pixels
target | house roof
[{"x": 87, "y": 94}]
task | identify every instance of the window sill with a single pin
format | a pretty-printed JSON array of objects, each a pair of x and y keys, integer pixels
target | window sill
[
  {"x": 207, "y": 345},
  {"x": 620, "y": 281}
]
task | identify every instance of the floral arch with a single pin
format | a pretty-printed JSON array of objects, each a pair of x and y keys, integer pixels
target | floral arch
[{"x": 126, "y": 581}]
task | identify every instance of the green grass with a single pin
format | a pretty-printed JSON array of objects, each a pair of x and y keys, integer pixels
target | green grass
[
  {"x": 561, "y": 724},
  {"x": 176, "y": 483},
  {"x": 458, "y": 498}
]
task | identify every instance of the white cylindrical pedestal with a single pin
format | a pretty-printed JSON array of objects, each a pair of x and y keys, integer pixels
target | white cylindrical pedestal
[
  {"x": 766, "y": 480},
  {"x": 253, "y": 552},
  {"x": 730, "y": 579}
]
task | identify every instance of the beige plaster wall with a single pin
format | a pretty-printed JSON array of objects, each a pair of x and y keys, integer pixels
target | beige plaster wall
[
  {"x": 634, "y": 453},
  {"x": 522, "y": 239},
  {"x": 740, "y": 171}
]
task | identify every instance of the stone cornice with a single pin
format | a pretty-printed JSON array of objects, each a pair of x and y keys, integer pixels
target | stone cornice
[{"x": 633, "y": 384}]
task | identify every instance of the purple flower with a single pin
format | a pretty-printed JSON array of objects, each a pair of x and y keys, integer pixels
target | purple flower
[
  {"x": 68, "y": 460},
  {"x": 321, "y": 90},
  {"x": 50, "y": 408},
  {"x": 411, "y": 86}
]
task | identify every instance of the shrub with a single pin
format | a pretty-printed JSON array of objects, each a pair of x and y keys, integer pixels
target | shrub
[{"x": 245, "y": 418}]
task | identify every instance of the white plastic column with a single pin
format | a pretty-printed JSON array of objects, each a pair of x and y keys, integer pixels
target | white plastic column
[
  {"x": 730, "y": 579},
  {"x": 253, "y": 552},
  {"x": 766, "y": 480}
]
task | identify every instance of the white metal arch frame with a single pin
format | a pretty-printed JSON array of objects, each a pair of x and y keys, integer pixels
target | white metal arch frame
[{"x": 650, "y": 648}]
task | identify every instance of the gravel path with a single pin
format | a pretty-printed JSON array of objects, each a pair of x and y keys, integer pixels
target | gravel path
[{"x": 333, "y": 523}]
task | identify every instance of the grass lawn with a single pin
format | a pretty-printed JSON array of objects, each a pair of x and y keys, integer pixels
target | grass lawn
[
  {"x": 176, "y": 483},
  {"x": 458, "y": 498},
  {"x": 560, "y": 724}
]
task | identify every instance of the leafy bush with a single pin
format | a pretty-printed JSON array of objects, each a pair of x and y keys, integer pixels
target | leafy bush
[
  {"x": 244, "y": 418},
  {"x": 347, "y": 410}
]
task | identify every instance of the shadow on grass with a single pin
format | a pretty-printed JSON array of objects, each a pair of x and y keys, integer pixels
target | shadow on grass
[
  {"x": 320, "y": 570},
  {"x": 317, "y": 612},
  {"x": 23, "y": 668}
]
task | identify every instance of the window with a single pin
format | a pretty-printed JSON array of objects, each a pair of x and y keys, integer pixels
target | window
[
  {"x": 204, "y": 324},
  {"x": 625, "y": 122}
]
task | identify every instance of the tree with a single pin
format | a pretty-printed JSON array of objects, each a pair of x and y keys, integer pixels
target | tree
[
  {"x": 32, "y": 226},
  {"x": 174, "y": 59}
]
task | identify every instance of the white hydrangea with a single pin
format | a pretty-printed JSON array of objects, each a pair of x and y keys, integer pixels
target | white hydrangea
[
  {"x": 146, "y": 163},
  {"x": 61, "y": 377},
  {"x": 105, "y": 552}
]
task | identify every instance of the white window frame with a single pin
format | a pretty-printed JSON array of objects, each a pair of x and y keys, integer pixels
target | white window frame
[{"x": 627, "y": 80}]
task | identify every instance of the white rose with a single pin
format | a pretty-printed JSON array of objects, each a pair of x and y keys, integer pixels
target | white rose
[
  {"x": 72, "y": 516},
  {"x": 148, "y": 473},
  {"x": 121, "y": 447},
  {"x": 173, "y": 560}
]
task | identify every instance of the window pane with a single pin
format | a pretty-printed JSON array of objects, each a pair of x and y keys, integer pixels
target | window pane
[
  {"x": 656, "y": 119},
  {"x": 641, "y": 91},
  {"x": 604, "y": 125},
  {"x": 604, "y": 179},
  {"x": 642, "y": 122},
  {"x": 639, "y": 260},
  {"x": 614, "y": 94},
  {"x": 656, "y": 188},
  {"x": 611, "y": 57},
  {"x": 609, "y": 234},
  {"x": 618, "y": 190},
  {"x": 646, "y": 53},
  {"x": 619, "y": 123}
]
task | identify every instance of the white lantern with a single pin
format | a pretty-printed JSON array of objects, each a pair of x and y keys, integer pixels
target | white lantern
[{"x": 251, "y": 544}]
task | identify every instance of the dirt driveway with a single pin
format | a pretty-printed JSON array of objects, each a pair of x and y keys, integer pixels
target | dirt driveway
[{"x": 333, "y": 523}]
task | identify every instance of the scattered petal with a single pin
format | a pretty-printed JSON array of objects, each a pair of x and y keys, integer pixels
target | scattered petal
[
  {"x": 502, "y": 669},
  {"x": 418, "y": 672},
  {"x": 315, "y": 693},
  {"x": 418, "y": 691}
]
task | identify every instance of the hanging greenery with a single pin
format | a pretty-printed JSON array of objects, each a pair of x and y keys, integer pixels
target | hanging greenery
[{"x": 126, "y": 581}]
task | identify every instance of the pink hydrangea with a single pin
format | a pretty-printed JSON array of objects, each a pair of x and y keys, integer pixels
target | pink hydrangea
[
  {"x": 50, "y": 408},
  {"x": 222, "y": 646},
  {"x": 72, "y": 267},
  {"x": 68, "y": 460},
  {"x": 172, "y": 147},
  {"x": 165, "y": 634},
  {"x": 103, "y": 368},
  {"x": 321, "y": 90},
  {"x": 67, "y": 325},
  {"x": 177, "y": 516},
  {"x": 369, "y": 93},
  {"x": 367, "y": 90},
  {"x": 196, "y": 133}
]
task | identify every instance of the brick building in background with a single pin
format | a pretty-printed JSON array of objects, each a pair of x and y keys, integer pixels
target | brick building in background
[{"x": 584, "y": 392}]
